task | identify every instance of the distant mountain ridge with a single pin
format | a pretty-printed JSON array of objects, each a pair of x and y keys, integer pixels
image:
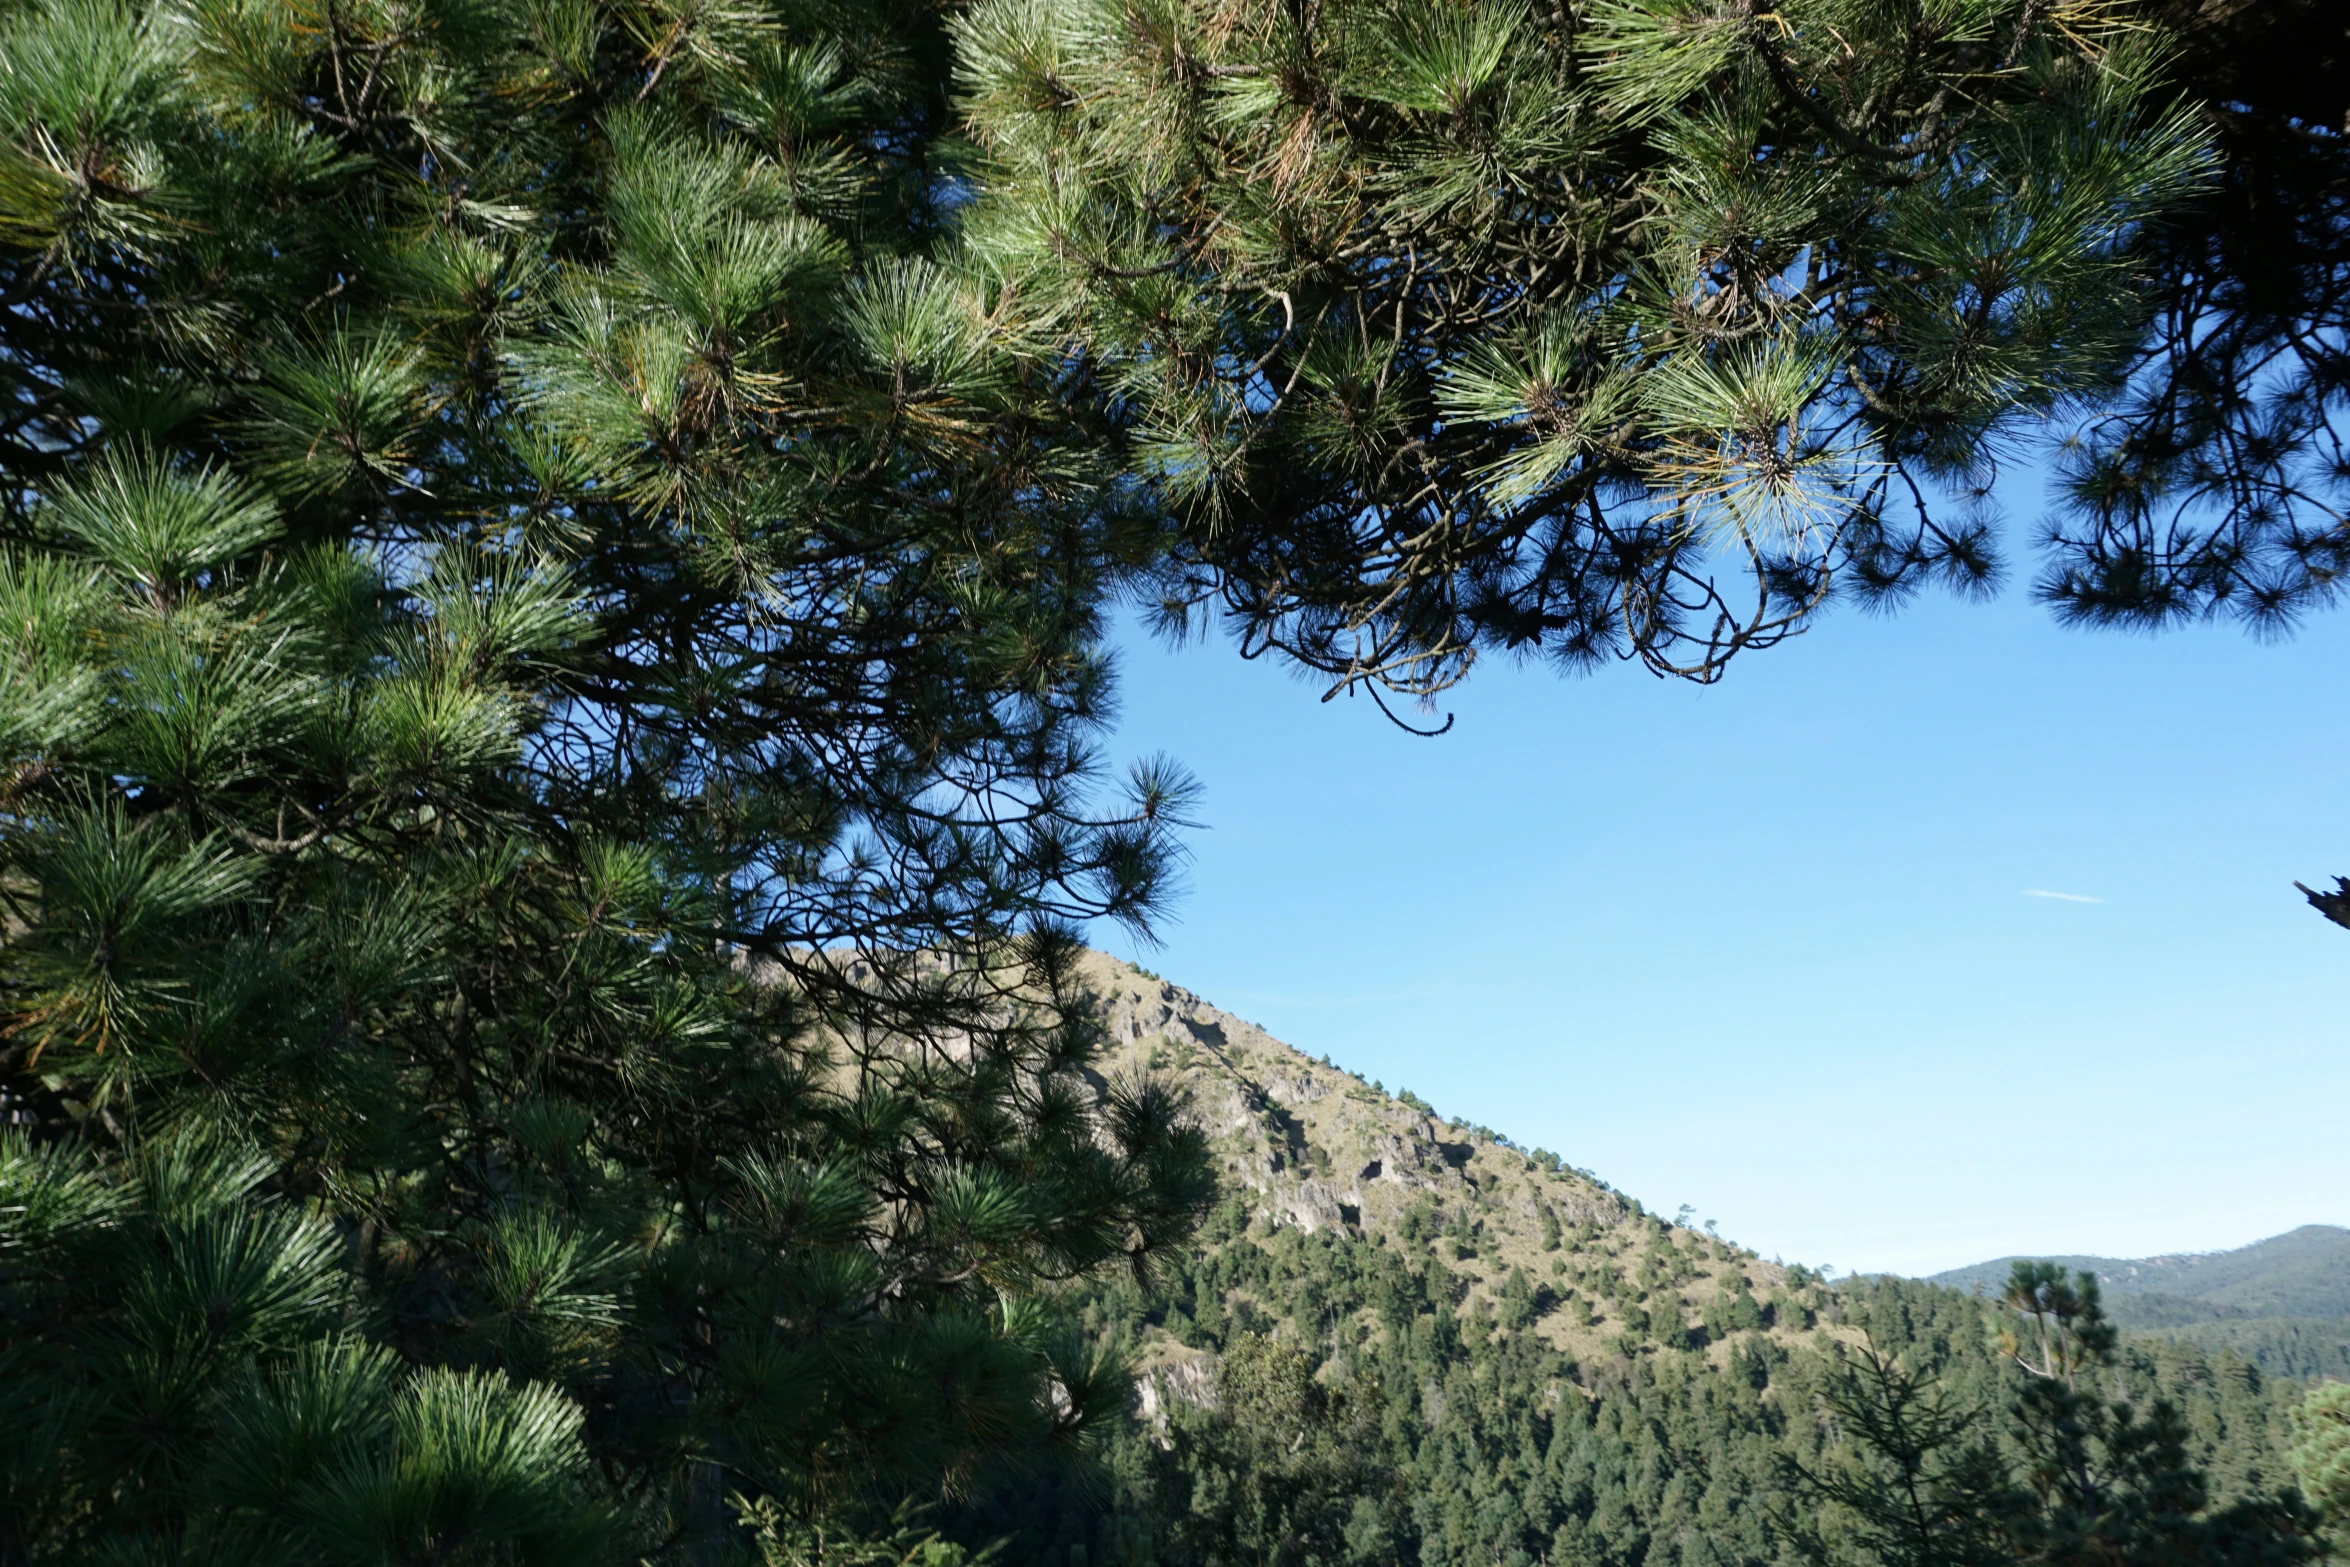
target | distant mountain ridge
[
  {"x": 2302, "y": 1273},
  {"x": 2283, "y": 1303}
]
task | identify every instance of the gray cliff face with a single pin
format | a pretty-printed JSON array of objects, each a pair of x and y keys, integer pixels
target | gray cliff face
[
  {"x": 1317, "y": 1148},
  {"x": 1176, "y": 1375},
  {"x": 1309, "y": 1147}
]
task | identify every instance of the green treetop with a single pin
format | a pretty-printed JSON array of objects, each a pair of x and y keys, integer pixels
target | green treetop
[
  {"x": 2076, "y": 1474},
  {"x": 2321, "y": 1450},
  {"x": 1607, "y": 329},
  {"x": 546, "y": 683}
]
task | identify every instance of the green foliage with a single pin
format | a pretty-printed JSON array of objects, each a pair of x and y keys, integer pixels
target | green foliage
[
  {"x": 1451, "y": 1440},
  {"x": 182, "y": 1369},
  {"x": 2282, "y": 1346},
  {"x": 2303, "y": 1273},
  {"x": 1922, "y": 1486},
  {"x": 784, "y": 1542},
  {"x": 2321, "y": 1449},
  {"x": 548, "y": 692},
  {"x": 1278, "y": 1473},
  {"x": 1608, "y": 328},
  {"x": 2079, "y": 1475},
  {"x": 2280, "y": 1303}
]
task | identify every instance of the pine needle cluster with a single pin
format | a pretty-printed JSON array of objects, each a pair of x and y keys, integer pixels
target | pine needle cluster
[
  {"x": 548, "y": 697},
  {"x": 1594, "y": 329},
  {"x": 2218, "y": 483}
]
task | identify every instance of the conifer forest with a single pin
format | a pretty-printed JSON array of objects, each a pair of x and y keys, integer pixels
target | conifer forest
[{"x": 557, "y": 570}]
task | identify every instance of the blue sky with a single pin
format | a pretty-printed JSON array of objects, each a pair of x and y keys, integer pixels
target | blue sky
[{"x": 1788, "y": 949}]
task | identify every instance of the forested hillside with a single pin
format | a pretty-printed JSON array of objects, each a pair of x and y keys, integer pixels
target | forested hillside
[
  {"x": 2283, "y": 1303},
  {"x": 2302, "y": 1273},
  {"x": 1406, "y": 1340}
]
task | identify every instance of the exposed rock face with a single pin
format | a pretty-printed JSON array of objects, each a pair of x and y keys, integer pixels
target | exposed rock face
[
  {"x": 1318, "y": 1144},
  {"x": 1317, "y": 1149},
  {"x": 1176, "y": 1375}
]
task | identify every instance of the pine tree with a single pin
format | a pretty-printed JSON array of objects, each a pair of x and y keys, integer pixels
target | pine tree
[
  {"x": 2321, "y": 1450},
  {"x": 2213, "y": 484},
  {"x": 2082, "y": 1474},
  {"x": 547, "y": 675},
  {"x": 1279, "y": 1473},
  {"x": 1583, "y": 329}
]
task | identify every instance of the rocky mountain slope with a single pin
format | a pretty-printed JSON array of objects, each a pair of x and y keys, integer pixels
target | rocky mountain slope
[
  {"x": 1307, "y": 1145},
  {"x": 1404, "y": 1340}
]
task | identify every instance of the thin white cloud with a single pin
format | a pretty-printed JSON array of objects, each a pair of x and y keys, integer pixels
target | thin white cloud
[{"x": 2061, "y": 897}]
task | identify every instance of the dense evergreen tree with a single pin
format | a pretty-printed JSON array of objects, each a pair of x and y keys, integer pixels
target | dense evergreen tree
[
  {"x": 1284, "y": 1470},
  {"x": 2084, "y": 1473},
  {"x": 547, "y": 655},
  {"x": 1465, "y": 1443},
  {"x": 1589, "y": 330},
  {"x": 2307, "y": 1349},
  {"x": 2321, "y": 1449}
]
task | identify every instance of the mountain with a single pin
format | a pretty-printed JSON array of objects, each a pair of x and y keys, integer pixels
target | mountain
[
  {"x": 2282, "y": 1303},
  {"x": 2303, "y": 1273},
  {"x": 1405, "y": 1341},
  {"x": 1309, "y": 1146}
]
